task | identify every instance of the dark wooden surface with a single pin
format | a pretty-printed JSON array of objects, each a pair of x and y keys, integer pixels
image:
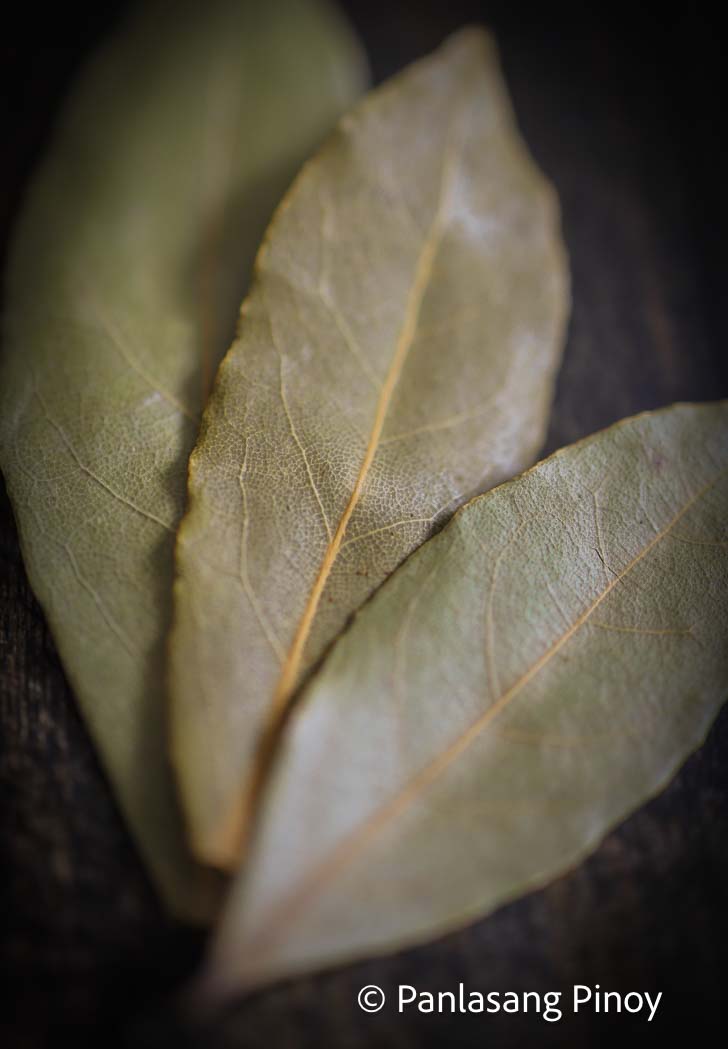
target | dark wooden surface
[{"x": 624, "y": 116}]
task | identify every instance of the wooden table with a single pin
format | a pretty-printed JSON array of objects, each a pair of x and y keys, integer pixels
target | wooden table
[{"x": 624, "y": 117}]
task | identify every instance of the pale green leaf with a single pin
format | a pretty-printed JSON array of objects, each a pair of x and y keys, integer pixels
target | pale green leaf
[
  {"x": 128, "y": 267},
  {"x": 530, "y": 676},
  {"x": 396, "y": 354}
]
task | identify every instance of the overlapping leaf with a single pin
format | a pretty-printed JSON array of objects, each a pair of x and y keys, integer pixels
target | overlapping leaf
[
  {"x": 395, "y": 355},
  {"x": 128, "y": 268},
  {"x": 527, "y": 678}
]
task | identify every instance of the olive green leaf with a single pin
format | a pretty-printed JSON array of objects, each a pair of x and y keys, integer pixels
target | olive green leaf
[
  {"x": 128, "y": 268},
  {"x": 396, "y": 354},
  {"x": 530, "y": 676}
]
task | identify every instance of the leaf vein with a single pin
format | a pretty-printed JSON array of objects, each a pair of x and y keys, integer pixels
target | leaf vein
[{"x": 147, "y": 514}]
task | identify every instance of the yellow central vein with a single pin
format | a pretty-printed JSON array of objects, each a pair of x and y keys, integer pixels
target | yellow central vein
[
  {"x": 289, "y": 677},
  {"x": 235, "y": 825},
  {"x": 357, "y": 839}
]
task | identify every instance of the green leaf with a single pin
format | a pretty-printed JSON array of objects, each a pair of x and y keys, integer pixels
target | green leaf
[
  {"x": 396, "y": 354},
  {"x": 128, "y": 266},
  {"x": 529, "y": 677}
]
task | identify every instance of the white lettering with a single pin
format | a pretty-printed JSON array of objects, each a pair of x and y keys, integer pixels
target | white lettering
[
  {"x": 628, "y": 1007},
  {"x": 406, "y": 1001},
  {"x": 652, "y": 1005},
  {"x": 579, "y": 997}
]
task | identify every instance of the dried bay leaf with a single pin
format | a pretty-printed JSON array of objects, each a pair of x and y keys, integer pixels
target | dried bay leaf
[
  {"x": 395, "y": 355},
  {"x": 127, "y": 271},
  {"x": 530, "y": 676}
]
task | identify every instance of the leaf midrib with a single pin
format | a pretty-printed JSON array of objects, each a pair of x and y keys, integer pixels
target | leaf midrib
[
  {"x": 290, "y": 671},
  {"x": 236, "y": 828}
]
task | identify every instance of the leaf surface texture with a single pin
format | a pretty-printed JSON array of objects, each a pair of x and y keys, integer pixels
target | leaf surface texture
[
  {"x": 529, "y": 677},
  {"x": 395, "y": 355},
  {"x": 128, "y": 267}
]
